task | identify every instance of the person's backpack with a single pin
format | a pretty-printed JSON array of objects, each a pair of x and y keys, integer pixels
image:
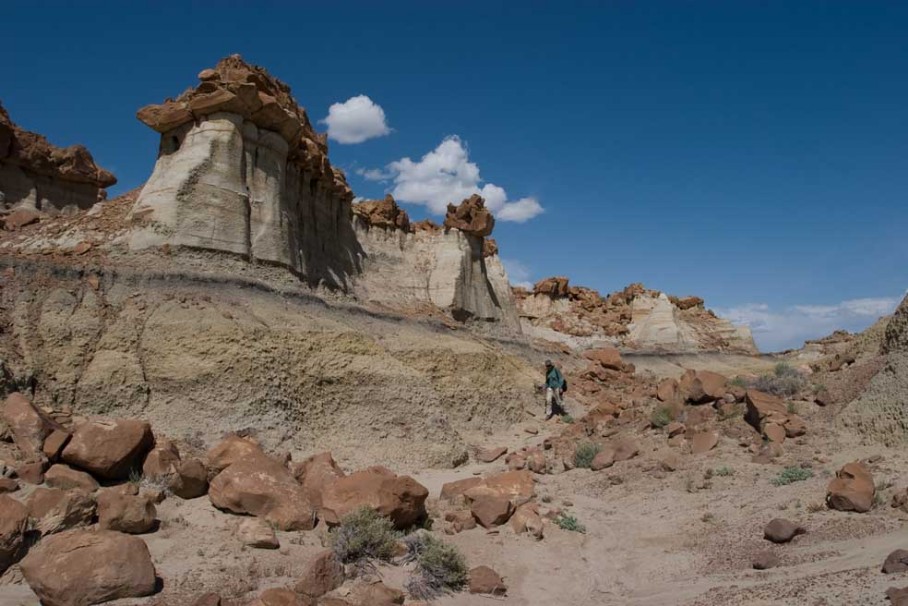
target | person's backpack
[{"x": 564, "y": 385}]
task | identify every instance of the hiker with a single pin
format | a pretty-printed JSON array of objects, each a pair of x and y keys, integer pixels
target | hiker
[{"x": 554, "y": 388}]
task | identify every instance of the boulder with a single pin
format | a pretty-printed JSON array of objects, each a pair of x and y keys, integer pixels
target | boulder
[
  {"x": 604, "y": 459},
  {"x": 675, "y": 429},
  {"x": 471, "y": 217},
  {"x": 458, "y": 521},
  {"x": 32, "y": 472},
  {"x": 8, "y": 485},
  {"x": 254, "y": 532},
  {"x": 29, "y": 425},
  {"x": 491, "y": 511},
  {"x": 230, "y": 450},
  {"x": 400, "y": 498},
  {"x": 774, "y": 432},
  {"x": 668, "y": 390},
  {"x": 701, "y": 386},
  {"x": 897, "y": 596},
  {"x": 55, "y": 443},
  {"x": 66, "y": 478},
  {"x": 262, "y": 487},
  {"x": 109, "y": 449},
  {"x": 897, "y": 561},
  {"x": 322, "y": 574},
  {"x": 132, "y": 514},
  {"x": 527, "y": 519},
  {"x": 316, "y": 472},
  {"x": 486, "y": 581},
  {"x": 703, "y": 441},
  {"x": 763, "y": 407},
  {"x": 280, "y": 597},
  {"x": 83, "y": 567},
  {"x": 517, "y": 486},
  {"x": 13, "y": 524},
  {"x": 452, "y": 491},
  {"x": 190, "y": 481},
  {"x": 490, "y": 455},
  {"x": 54, "y": 510},
  {"x": 162, "y": 461},
  {"x": 781, "y": 530},
  {"x": 607, "y": 357},
  {"x": 375, "y": 594},
  {"x": 852, "y": 489},
  {"x": 554, "y": 287},
  {"x": 765, "y": 560}
]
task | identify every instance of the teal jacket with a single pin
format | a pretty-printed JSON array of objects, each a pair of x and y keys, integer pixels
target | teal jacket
[{"x": 554, "y": 379}]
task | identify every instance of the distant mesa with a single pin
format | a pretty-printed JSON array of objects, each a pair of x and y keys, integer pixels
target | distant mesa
[
  {"x": 634, "y": 318},
  {"x": 39, "y": 176}
]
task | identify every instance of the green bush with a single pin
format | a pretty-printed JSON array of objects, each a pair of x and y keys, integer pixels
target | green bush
[
  {"x": 569, "y": 522},
  {"x": 738, "y": 382},
  {"x": 661, "y": 416},
  {"x": 440, "y": 567},
  {"x": 567, "y": 419},
  {"x": 724, "y": 471},
  {"x": 363, "y": 535},
  {"x": 785, "y": 381},
  {"x": 790, "y": 475},
  {"x": 585, "y": 453}
]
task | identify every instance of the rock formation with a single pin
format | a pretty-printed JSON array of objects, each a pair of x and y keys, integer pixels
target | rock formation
[
  {"x": 456, "y": 268},
  {"x": 636, "y": 318},
  {"x": 36, "y": 175},
  {"x": 241, "y": 170}
]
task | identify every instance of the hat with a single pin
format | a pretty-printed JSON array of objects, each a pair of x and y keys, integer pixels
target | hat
[{"x": 548, "y": 363}]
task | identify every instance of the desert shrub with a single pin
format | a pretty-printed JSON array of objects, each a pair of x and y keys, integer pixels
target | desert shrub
[
  {"x": 661, "y": 416},
  {"x": 567, "y": 419},
  {"x": 784, "y": 381},
  {"x": 363, "y": 535},
  {"x": 738, "y": 382},
  {"x": 440, "y": 567},
  {"x": 724, "y": 471},
  {"x": 790, "y": 475},
  {"x": 585, "y": 453},
  {"x": 569, "y": 522}
]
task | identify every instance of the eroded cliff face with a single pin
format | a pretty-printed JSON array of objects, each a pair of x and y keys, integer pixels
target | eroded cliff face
[
  {"x": 636, "y": 318},
  {"x": 39, "y": 176},
  {"x": 241, "y": 170},
  {"x": 408, "y": 264}
]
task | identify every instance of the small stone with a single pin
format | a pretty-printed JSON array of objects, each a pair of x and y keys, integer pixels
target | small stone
[{"x": 765, "y": 560}]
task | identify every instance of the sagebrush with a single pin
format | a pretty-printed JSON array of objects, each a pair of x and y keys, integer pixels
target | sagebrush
[
  {"x": 440, "y": 567},
  {"x": 790, "y": 475},
  {"x": 785, "y": 381},
  {"x": 364, "y": 535},
  {"x": 569, "y": 522},
  {"x": 585, "y": 453}
]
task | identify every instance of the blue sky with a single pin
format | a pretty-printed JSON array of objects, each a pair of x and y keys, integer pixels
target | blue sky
[{"x": 752, "y": 153}]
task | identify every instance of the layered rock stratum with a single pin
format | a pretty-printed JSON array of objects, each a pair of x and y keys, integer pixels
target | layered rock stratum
[
  {"x": 635, "y": 318},
  {"x": 39, "y": 176}
]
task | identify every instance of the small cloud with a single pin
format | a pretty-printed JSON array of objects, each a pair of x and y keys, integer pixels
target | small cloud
[
  {"x": 518, "y": 273},
  {"x": 373, "y": 174},
  {"x": 446, "y": 175},
  {"x": 356, "y": 120},
  {"x": 788, "y": 328}
]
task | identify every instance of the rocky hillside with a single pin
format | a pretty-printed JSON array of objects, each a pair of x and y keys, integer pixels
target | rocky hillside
[
  {"x": 36, "y": 176},
  {"x": 634, "y": 318}
]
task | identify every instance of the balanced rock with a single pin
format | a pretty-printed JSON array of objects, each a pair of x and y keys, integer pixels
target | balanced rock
[
  {"x": 13, "y": 524},
  {"x": 852, "y": 489},
  {"x": 471, "y": 217},
  {"x": 83, "y": 567},
  {"x": 108, "y": 448},
  {"x": 399, "y": 498},
  {"x": 781, "y": 530}
]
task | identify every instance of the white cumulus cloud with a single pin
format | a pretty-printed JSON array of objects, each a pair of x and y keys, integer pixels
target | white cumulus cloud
[
  {"x": 446, "y": 175},
  {"x": 787, "y": 328},
  {"x": 518, "y": 273},
  {"x": 356, "y": 120}
]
